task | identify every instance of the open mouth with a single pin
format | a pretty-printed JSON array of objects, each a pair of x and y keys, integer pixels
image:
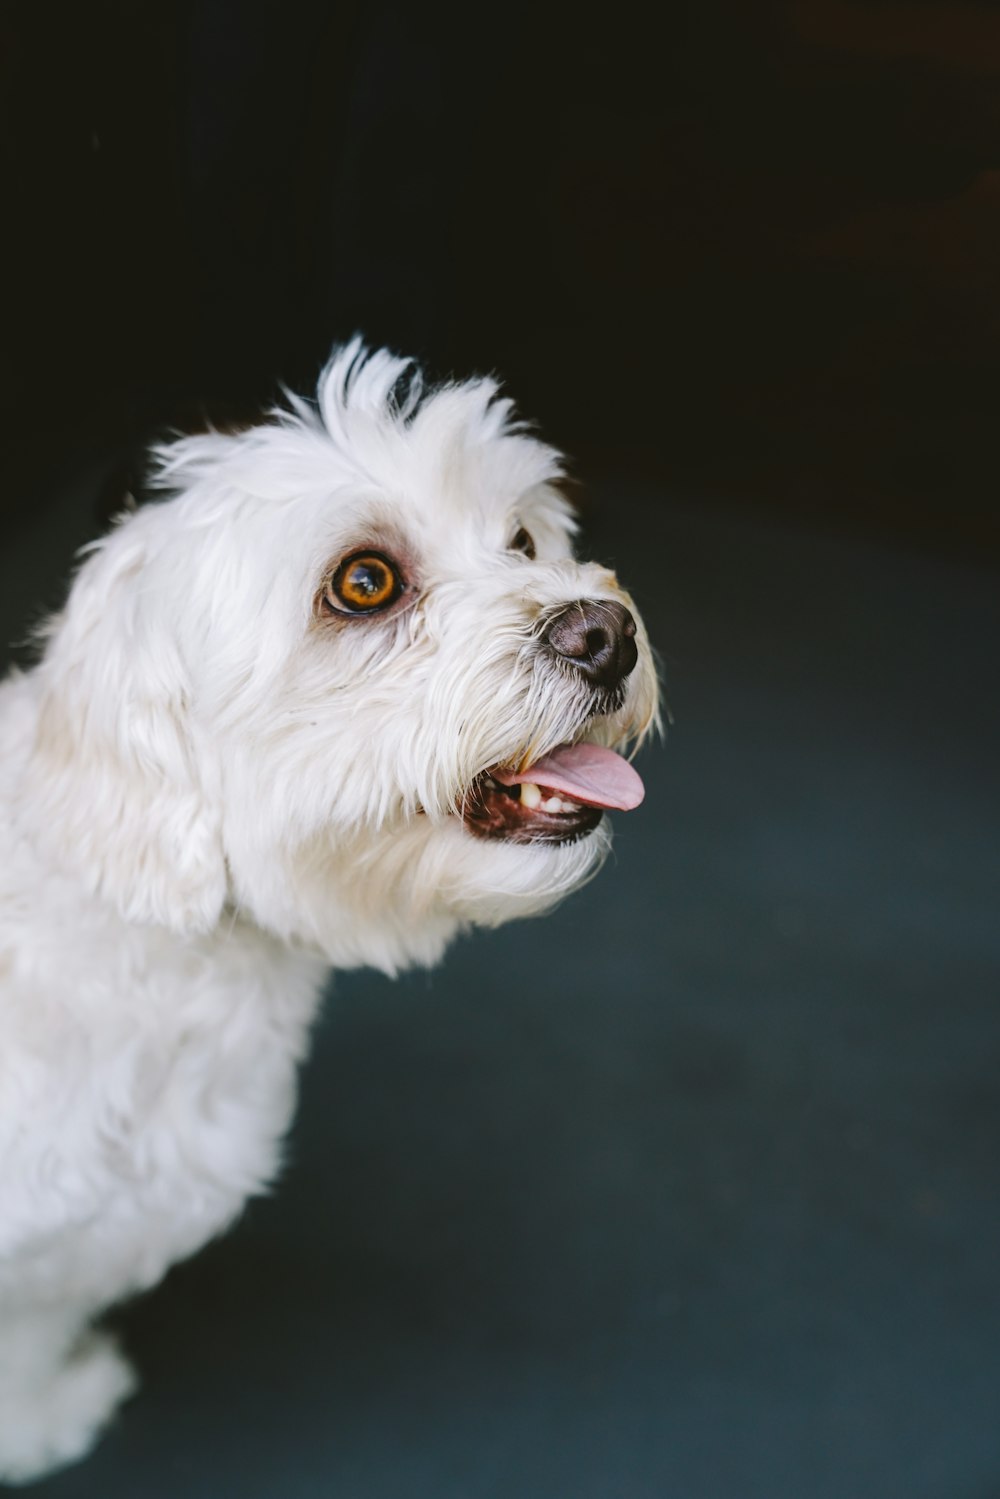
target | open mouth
[{"x": 559, "y": 798}]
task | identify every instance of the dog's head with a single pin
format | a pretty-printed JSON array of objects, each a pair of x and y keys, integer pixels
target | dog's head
[{"x": 348, "y": 677}]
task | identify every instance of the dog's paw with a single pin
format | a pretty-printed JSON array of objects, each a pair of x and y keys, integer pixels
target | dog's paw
[{"x": 59, "y": 1422}]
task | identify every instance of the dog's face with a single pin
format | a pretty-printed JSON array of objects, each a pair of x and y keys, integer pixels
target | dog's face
[{"x": 345, "y": 678}]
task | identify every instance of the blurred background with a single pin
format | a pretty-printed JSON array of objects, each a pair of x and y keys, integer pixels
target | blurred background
[{"x": 690, "y": 1191}]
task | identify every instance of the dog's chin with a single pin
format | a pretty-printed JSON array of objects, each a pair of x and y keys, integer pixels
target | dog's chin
[{"x": 487, "y": 876}]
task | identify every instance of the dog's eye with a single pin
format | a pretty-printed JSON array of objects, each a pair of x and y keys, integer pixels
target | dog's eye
[
  {"x": 363, "y": 584},
  {"x": 523, "y": 542}
]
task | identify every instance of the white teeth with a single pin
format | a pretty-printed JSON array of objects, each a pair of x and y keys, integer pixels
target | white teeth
[
  {"x": 532, "y": 799},
  {"x": 558, "y": 804}
]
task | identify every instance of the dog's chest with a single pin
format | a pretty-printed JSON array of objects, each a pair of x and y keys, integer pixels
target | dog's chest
[{"x": 159, "y": 1115}]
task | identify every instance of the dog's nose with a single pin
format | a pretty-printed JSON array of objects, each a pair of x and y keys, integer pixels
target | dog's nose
[{"x": 597, "y": 636}]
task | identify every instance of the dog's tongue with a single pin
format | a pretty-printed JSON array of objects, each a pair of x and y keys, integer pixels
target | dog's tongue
[{"x": 587, "y": 773}]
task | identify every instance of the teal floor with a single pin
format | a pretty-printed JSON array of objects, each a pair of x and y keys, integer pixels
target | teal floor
[{"x": 691, "y": 1191}]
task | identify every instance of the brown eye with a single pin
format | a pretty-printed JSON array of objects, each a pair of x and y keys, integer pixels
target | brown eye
[
  {"x": 523, "y": 542},
  {"x": 363, "y": 584}
]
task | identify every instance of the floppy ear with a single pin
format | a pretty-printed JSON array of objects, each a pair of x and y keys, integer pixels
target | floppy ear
[{"x": 114, "y": 783}]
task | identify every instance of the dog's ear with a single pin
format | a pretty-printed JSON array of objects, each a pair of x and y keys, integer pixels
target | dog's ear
[{"x": 116, "y": 786}]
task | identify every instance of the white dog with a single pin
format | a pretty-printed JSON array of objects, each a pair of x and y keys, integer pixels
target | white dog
[{"x": 341, "y": 693}]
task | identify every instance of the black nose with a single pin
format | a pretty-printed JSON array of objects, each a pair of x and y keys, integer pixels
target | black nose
[{"x": 597, "y": 636}]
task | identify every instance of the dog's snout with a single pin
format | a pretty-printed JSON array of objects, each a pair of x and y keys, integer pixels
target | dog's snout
[{"x": 597, "y": 636}]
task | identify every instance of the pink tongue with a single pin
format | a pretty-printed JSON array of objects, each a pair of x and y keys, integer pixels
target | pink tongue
[{"x": 586, "y": 772}]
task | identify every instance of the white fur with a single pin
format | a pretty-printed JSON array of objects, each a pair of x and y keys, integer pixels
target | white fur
[{"x": 209, "y": 796}]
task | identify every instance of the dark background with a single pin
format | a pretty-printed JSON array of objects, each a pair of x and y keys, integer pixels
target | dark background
[
  {"x": 690, "y": 1191},
  {"x": 753, "y": 249}
]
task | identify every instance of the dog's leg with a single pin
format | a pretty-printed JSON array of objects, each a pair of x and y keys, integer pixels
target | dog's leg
[{"x": 60, "y": 1382}]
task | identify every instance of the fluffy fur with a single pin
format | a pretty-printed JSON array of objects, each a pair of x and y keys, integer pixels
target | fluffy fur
[{"x": 211, "y": 794}]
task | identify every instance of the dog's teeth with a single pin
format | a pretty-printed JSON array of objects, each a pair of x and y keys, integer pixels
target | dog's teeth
[
  {"x": 531, "y": 796},
  {"x": 558, "y": 804}
]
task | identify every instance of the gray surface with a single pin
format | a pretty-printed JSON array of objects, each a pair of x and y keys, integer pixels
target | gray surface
[{"x": 691, "y": 1190}]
